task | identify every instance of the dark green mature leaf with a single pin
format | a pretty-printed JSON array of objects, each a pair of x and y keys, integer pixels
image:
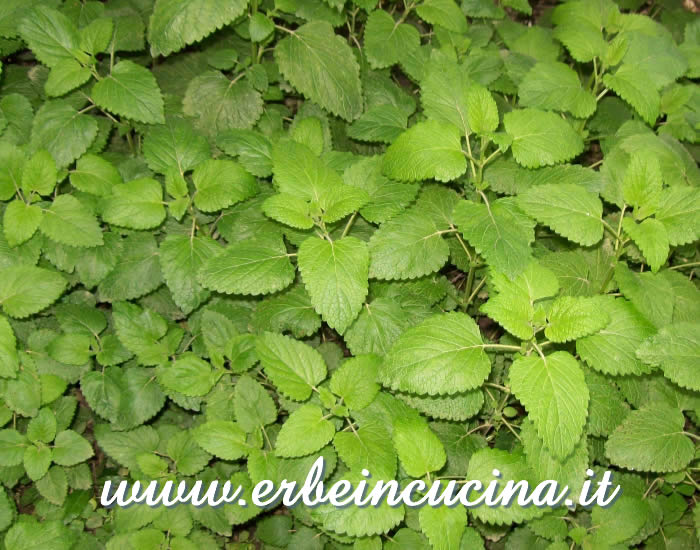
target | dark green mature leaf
[
  {"x": 175, "y": 24},
  {"x": 321, "y": 66},
  {"x": 651, "y": 440},
  {"x": 130, "y": 91}
]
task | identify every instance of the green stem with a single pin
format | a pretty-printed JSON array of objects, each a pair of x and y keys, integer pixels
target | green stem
[
  {"x": 683, "y": 266},
  {"x": 349, "y": 224}
]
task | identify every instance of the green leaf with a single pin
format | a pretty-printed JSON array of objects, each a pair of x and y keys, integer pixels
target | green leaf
[
  {"x": 676, "y": 349},
  {"x": 70, "y": 448},
  {"x": 20, "y": 221},
  {"x": 222, "y": 438},
  {"x": 515, "y": 307},
  {"x": 137, "y": 271},
  {"x": 407, "y": 246},
  {"x": 59, "y": 128},
  {"x": 249, "y": 267},
  {"x": 71, "y": 349},
  {"x": 642, "y": 185},
  {"x": 322, "y": 66},
  {"x": 29, "y": 534},
  {"x": 137, "y": 204},
  {"x": 174, "y": 145},
  {"x": 458, "y": 407},
  {"x": 498, "y": 231},
  {"x": 567, "y": 209},
  {"x": 385, "y": 39},
  {"x": 443, "y": 526},
  {"x": 95, "y": 175},
  {"x": 253, "y": 405},
  {"x": 369, "y": 447},
  {"x": 175, "y": 24},
  {"x": 652, "y": 239},
  {"x": 293, "y": 367},
  {"x": 218, "y": 104},
  {"x": 42, "y": 428},
  {"x": 37, "y": 461},
  {"x": 67, "y": 221},
  {"x": 651, "y": 440},
  {"x": 553, "y": 85},
  {"x": 541, "y": 138},
  {"x": 482, "y": 111},
  {"x": 12, "y": 445},
  {"x": 50, "y": 35},
  {"x": 419, "y": 449},
  {"x": 188, "y": 457},
  {"x": 445, "y": 92},
  {"x": 188, "y": 375},
  {"x": 65, "y": 76},
  {"x": 637, "y": 88},
  {"x": 127, "y": 397},
  {"x": 335, "y": 276},
  {"x": 427, "y": 150},
  {"x": 355, "y": 381},
  {"x": 254, "y": 151},
  {"x": 130, "y": 91},
  {"x": 377, "y": 327},
  {"x": 679, "y": 212},
  {"x": 615, "y": 525},
  {"x": 382, "y": 123},
  {"x": 289, "y": 209},
  {"x": 181, "y": 258},
  {"x": 11, "y": 169},
  {"x": 39, "y": 174},
  {"x": 444, "y": 13},
  {"x": 652, "y": 294},
  {"x": 544, "y": 465},
  {"x": 512, "y": 465},
  {"x": 289, "y": 311},
  {"x": 25, "y": 290},
  {"x": 304, "y": 432},
  {"x": 554, "y": 392},
  {"x": 9, "y": 361},
  {"x": 612, "y": 349},
  {"x": 607, "y": 407},
  {"x": 571, "y": 318},
  {"x": 221, "y": 183},
  {"x": 442, "y": 355}
]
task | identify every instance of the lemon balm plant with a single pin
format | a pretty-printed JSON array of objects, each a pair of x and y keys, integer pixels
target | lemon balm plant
[{"x": 422, "y": 238}]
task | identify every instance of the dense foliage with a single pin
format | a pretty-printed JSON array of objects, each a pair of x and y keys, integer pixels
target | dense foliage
[{"x": 423, "y": 238}]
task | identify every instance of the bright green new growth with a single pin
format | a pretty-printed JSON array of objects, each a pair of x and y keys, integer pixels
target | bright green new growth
[{"x": 426, "y": 239}]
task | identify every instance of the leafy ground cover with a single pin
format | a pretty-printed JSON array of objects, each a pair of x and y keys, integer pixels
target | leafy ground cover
[{"x": 426, "y": 238}]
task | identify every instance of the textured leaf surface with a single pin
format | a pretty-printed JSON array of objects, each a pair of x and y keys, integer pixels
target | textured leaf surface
[
  {"x": 541, "y": 138},
  {"x": 568, "y": 209},
  {"x": 499, "y": 231},
  {"x": 335, "y": 276},
  {"x": 248, "y": 268},
  {"x": 321, "y": 66},
  {"x": 676, "y": 349},
  {"x": 555, "y": 395},
  {"x": 131, "y": 91},
  {"x": 428, "y": 150},
  {"x": 651, "y": 440},
  {"x": 175, "y": 24},
  {"x": 293, "y": 367},
  {"x": 612, "y": 349},
  {"x": 442, "y": 355}
]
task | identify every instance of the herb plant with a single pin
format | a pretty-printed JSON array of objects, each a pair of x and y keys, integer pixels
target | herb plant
[{"x": 421, "y": 238}]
